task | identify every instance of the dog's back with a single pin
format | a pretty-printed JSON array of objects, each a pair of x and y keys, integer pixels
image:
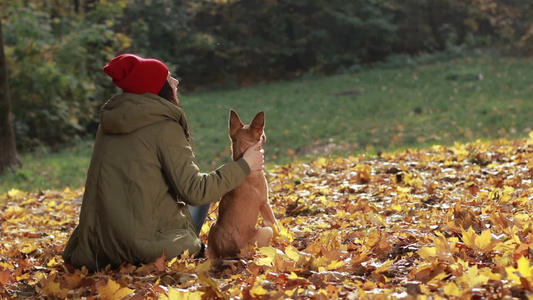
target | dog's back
[{"x": 240, "y": 208}]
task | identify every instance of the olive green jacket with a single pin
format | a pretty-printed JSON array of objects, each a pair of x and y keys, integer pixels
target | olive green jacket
[{"x": 142, "y": 175}]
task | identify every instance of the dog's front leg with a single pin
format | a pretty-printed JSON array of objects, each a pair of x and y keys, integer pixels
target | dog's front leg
[{"x": 268, "y": 216}]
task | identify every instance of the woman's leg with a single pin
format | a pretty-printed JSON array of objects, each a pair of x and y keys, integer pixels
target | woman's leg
[{"x": 198, "y": 214}]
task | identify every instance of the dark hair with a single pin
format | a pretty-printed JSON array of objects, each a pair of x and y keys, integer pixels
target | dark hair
[{"x": 166, "y": 92}]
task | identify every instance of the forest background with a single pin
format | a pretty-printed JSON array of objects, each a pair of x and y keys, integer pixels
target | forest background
[{"x": 55, "y": 50}]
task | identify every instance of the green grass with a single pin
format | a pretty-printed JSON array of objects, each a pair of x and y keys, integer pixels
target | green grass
[
  {"x": 374, "y": 110},
  {"x": 43, "y": 170}
]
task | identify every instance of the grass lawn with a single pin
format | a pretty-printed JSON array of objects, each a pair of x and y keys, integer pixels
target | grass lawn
[
  {"x": 370, "y": 111},
  {"x": 374, "y": 110},
  {"x": 44, "y": 170}
]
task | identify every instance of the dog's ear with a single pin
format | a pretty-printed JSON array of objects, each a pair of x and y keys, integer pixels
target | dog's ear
[
  {"x": 235, "y": 123},
  {"x": 258, "y": 125}
]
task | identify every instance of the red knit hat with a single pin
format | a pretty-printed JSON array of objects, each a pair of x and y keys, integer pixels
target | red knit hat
[{"x": 137, "y": 75}]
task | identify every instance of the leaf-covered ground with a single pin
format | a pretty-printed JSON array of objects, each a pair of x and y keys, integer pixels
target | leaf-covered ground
[{"x": 450, "y": 222}]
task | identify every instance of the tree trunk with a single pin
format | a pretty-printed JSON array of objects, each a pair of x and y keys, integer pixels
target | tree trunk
[{"x": 8, "y": 150}]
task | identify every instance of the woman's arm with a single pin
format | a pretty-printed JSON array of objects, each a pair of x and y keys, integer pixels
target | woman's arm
[{"x": 192, "y": 186}]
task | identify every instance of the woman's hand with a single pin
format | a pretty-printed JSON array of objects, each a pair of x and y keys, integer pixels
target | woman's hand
[{"x": 255, "y": 156}]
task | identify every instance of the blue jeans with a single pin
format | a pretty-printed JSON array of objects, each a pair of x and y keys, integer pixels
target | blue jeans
[{"x": 199, "y": 214}]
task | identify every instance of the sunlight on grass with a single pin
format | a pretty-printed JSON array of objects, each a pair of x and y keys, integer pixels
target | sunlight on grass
[
  {"x": 43, "y": 170},
  {"x": 369, "y": 111},
  {"x": 375, "y": 110}
]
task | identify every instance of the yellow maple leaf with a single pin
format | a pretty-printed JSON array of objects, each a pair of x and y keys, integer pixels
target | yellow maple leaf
[
  {"x": 460, "y": 151},
  {"x": 292, "y": 253},
  {"x": 53, "y": 263},
  {"x": 14, "y": 193},
  {"x": 112, "y": 290},
  {"x": 29, "y": 248},
  {"x": 172, "y": 261},
  {"x": 234, "y": 292},
  {"x": 451, "y": 289},
  {"x": 384, "y": 267},
  {"x": 473, "y": 278},
  {"x": 269, "y": 253},
  {"x": 39, "y": 276},
  {"x": 403, "y": 190},
  {"x": 484, "y": 240},
  {"x": 523, "y": 270},
  {"x": 364, "y": 173},
  {"x": 258, "y": 290},
  {"x": 205, "y": 228},
  {"x": 294, "y": 292},
  {"x": 54, "y": 290},
  {"x": 319, "y": 263},
  {"x": 427, "y": 252},
  {"x": 396, "y": 207},
  {"x": 438, "y": 278},
  {"x": 413, "y": 181},
  {"x": 178, "y": 294},
  {"x": 24, "y": 276},
  {"x": 276, "y": 187},
  {"x": 335, "y": 264},
  {"x": 469, "y": 237},
  {"x": 490, "y": 275},
  {"x": 204, "y": 267},
  {"x": 445, "y": 248},
  {"x": 203, "y": 277},
  {"x": 293, "y": 276},
  {"x": 321, "y": 161},
  {"x": 13, "y": 212},
  {"x": 375, "y": 219},
  {"x": 6, "y": 265},
  {"x": 283, "y": 234},
  {"x": 332, "y": 240}
]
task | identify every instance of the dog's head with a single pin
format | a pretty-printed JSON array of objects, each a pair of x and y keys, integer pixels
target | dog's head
[{"x": 243, "y": 136}]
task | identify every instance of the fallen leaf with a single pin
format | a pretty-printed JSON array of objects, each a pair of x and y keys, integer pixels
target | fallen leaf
[{"x": 110, "y": 290}]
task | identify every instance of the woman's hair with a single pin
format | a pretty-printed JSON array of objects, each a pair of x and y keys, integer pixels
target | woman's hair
[{"x": 166, "y": 92}]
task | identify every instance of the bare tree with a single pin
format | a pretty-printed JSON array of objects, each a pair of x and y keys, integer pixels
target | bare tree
[{"x": 8, "y": 151}]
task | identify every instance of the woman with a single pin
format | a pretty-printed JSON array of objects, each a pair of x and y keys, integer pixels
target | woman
[{"x": 142, "y": 178}]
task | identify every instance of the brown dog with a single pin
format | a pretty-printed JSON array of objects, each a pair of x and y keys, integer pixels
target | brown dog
[{"x": 239, "y": 209}]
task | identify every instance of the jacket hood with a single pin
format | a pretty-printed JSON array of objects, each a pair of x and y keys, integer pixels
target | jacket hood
[{"x": 126, "y": 112}]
